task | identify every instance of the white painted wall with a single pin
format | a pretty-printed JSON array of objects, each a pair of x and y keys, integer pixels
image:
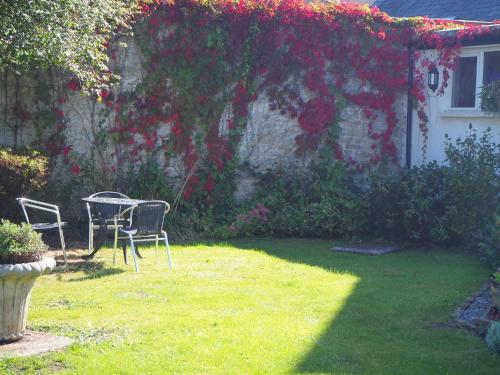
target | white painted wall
[{"x": 443, "y": 119}]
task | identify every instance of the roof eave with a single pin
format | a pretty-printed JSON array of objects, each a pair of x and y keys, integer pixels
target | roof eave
[{"x": 490, "y": 37}]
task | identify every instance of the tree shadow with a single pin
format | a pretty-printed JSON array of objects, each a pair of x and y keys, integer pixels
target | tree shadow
[{"x": 388, "y": 319}]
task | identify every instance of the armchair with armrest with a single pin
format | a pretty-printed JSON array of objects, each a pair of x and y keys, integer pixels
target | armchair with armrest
[{"x": 42, "y": 206}]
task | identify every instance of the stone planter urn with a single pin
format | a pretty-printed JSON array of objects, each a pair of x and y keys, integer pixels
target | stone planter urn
[
  {"x": 15, "y": 291},
  {"x": 495, "y": 292}
]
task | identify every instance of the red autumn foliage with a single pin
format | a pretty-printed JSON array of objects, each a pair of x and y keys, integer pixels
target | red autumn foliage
[{"x": 234, "y": 51}]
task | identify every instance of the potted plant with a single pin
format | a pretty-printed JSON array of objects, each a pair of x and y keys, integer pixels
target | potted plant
[
  {"x": 495, "y": 289},
  {"x": 21, "y": 262},
  {"x": 490, "y": 97}
]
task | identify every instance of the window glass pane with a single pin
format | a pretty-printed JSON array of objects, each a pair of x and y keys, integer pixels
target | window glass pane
[
  {"x": 464, "y": 83},
  {"x": 491, "y": 70}
]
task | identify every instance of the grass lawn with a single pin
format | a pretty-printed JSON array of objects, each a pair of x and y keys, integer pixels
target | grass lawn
[{"x": 261, "y": 306}]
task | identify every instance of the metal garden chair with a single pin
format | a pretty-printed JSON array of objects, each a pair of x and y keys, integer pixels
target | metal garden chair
[
  {"x": 146, "y": 224},
  {"x": 37, "y": 205},
  {"x": 103, "y": 212}
]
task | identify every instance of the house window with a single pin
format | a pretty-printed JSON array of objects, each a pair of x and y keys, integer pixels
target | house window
[
  {"x": 464, "y": 83},
  {"x": 491, "y": 69}
]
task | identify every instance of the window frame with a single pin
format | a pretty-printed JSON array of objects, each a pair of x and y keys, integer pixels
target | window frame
[{"x": 477, "y": 52}]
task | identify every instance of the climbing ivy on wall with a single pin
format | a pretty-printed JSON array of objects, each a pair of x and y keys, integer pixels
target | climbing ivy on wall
[
  {"x": 201, "y": 57},
  {"x": 206, "y": 58}
]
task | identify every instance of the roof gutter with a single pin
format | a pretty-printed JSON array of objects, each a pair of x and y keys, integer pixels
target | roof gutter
[{"x": 490, "y": 36}]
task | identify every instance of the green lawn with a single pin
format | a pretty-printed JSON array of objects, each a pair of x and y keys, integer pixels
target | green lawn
[{"x": 261, "y": 306}]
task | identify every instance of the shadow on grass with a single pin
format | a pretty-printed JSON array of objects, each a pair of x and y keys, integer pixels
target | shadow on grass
[
  {"x": 91, "y": 269},
  {"x": 384, "y": 325}
]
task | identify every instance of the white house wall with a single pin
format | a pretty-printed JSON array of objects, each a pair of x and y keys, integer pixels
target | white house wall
[{"x": 444, "y": 120}]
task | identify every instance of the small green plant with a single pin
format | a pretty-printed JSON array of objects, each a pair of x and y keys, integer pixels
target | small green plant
[
  {"x": 493, "y": 337},
  {"x": 20, "y": 243},
  {"x": 490, "y": 97},
  {"x": 496, "y": 276}
]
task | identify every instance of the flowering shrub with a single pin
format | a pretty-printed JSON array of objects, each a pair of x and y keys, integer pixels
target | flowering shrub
[
  {"x": 252, "y": 222},
  {"x": 322, "y": 202}
]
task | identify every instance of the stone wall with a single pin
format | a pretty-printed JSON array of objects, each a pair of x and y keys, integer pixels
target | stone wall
[{"x": 268, "y": 141}]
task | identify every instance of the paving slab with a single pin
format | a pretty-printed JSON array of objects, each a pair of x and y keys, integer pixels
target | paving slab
[
  {"x": 365, "y": 249},
  {"x": 34, "y": 343}
]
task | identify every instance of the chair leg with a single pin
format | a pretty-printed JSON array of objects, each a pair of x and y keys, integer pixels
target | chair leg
[
  {"x": 156, "y": 248},
  {"x": 91, "y": 238},
  {"x": 133, "y": 253},
  {"x": 63, "y": 246},
  {"x": 124, "y": 248},
  {"x": 115, "y": 246},
  {"x": 168, "y": 250},
  {"x": 137, "y": 252}
]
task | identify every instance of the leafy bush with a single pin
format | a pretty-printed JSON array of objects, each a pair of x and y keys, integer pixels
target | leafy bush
[
  {"x": 472, "y": 185},
  {"x": 408, "y": 204},
  {"x": 321, "y": 202},
  {"x": 20, "y": 243},
  {"x": 20, "y": 174},
  {"x": 493, "y": 337},
  {"x": 445, "y": 205},
  {"x": 487, "y": 244}
]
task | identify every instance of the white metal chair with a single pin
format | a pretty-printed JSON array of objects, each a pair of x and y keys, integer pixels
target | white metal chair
[
  {"x": 146, "y": 224},
  {"x": 37, "y": 205},
  {"x": 98, "y": 212}
]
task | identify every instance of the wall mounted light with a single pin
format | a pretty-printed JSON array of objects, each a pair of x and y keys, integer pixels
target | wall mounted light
[{"x": 433, "y": 79}]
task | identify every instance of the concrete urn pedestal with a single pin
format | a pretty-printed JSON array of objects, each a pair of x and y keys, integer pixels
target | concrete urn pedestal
[{"x": 16, "y": 282}]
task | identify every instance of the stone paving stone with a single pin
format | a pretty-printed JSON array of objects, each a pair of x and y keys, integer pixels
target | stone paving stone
[
  {"x": 370, "y": 250},
  {"x": 34, "y": 343}
]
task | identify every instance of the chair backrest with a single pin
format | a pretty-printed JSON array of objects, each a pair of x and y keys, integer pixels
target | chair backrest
[
  {"x": 149, "y": 216},
  {"x": 37, "y": 205},
  {"x": 104, "y": 211}
]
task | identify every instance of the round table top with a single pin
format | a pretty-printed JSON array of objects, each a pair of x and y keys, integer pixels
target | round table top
[{"x": 113, "y": 201}]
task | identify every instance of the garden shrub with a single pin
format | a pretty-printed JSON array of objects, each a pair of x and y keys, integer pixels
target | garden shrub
[
  {"x": 446, "y": 205},
  {"x": 20, "y": 243},
  {"x": 472, "y": 185},
  {"x": 487, "y": 243},
  {"x": 408, "y": 205},
  {"x": 320, "y": 202},
  {"x": 21, "y": 173},
  {"x": 148, "y": 181},
  {"x": 452, "y": 204}
]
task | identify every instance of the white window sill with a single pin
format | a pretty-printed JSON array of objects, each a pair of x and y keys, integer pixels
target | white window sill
[{"x": 466, "y": 113}]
